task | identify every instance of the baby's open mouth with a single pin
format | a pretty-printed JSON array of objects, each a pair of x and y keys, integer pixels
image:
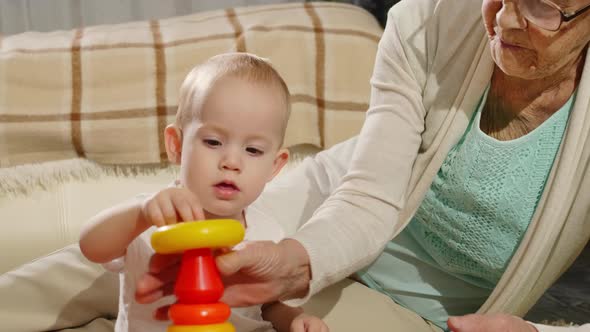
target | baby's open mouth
[{"x": 226, "y": 185}]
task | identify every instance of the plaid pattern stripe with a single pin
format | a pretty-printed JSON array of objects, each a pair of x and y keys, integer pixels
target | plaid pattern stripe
[{"x": 106, "y": 92}]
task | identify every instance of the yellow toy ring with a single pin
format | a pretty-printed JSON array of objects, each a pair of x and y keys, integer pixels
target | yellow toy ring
[
  {"x": 214, "y": 233},
  {"x": 223, "y": 327}
]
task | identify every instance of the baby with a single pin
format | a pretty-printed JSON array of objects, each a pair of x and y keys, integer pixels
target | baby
[{"x": 227, "y": 137}]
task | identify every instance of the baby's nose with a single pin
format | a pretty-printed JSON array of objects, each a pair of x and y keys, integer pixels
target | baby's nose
[{"x": 231, "y": 162}]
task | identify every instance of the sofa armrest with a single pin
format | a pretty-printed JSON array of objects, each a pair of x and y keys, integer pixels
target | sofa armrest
[{"x": 59, "y": 291}]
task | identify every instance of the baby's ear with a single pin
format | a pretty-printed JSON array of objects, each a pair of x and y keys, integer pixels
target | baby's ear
[
  {"x": 280, "y": 161},
  {"x": 173, "y": 140}
]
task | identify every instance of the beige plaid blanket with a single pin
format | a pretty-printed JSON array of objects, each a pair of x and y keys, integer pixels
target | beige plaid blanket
[{"x": 107, "y": 92}]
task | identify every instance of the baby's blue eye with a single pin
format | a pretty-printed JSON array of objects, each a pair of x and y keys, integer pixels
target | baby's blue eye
[
  {"x": 254, "y": 151},
  {"x": 212, "y": 142}
]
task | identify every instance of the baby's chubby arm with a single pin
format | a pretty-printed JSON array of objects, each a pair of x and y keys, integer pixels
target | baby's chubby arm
[
  {"x": 107, "y": 235},
  {"x": 291, "y": 319}
]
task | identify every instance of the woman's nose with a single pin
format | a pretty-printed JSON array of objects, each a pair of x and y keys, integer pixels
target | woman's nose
[{"x": 510, "y": 17}]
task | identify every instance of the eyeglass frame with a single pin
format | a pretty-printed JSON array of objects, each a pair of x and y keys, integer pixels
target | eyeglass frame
[{"x": 565, "y": 16}]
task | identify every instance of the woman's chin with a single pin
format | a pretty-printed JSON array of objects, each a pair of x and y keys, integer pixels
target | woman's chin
[
  {"x": 514, "y": 65},
  {"x": 519, "y": 70}
]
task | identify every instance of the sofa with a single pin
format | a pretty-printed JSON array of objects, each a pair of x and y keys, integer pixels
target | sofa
[{"x": 89, "y": 105}]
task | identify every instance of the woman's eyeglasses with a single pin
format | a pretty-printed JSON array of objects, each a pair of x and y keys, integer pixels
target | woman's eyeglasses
[{"x": 547, "y": 15}]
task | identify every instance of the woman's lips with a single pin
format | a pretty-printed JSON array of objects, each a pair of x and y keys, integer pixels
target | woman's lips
[{"x": 510, "y": 45}]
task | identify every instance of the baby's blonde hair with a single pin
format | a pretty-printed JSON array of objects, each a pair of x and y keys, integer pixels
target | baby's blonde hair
[{"x": 202, "y": 79}]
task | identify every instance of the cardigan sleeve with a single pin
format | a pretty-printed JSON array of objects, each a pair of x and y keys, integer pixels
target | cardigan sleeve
[
  {"x": 547, "y": 328},
  {"x": 352, "y": 226}
]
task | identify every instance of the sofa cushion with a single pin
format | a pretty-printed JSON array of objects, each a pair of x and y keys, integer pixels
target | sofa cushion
[
  {"x": 106, "y": 92},
  {"x": 61, "y": 290},
  {"x": 43, "y": 206}
]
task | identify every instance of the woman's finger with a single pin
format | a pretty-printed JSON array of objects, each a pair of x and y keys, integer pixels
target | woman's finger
[
  {"x": 489, "y": 11},
  {"x": 160, "y": 262},
  {"x": 162, "y": 313},
  {"x": 298, "y": 326},
  {"x": 221, "y": 251},
  {"x": 154, "y": 285},
  {"x": 465, "y": 323},
  {"x": 156, "y": 294},
  {"x": 230, "y": 263},
  {"x": 489, "y": 323}
]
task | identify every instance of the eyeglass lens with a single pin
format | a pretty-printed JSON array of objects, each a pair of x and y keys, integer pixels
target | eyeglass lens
[{"x": 540, "y": 14}]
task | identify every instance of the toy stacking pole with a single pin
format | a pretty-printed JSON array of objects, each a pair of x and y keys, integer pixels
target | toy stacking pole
[{"x": 198, "y": 286}]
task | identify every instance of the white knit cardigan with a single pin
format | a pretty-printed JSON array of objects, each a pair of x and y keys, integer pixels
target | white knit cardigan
[{"x": 432, "y": 67}]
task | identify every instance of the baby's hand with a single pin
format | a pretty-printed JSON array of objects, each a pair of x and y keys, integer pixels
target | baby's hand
[
  {"x": 308, "y": 323},
  {"x": 170, "y": 206}
]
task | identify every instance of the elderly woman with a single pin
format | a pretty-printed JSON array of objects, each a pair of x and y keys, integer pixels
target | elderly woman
[{"x": 468, "y": 188}]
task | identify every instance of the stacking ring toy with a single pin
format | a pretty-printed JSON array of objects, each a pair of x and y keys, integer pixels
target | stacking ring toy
[
  {"x": 215, "y": 233},
  {"x": 223, "y": 327},
  {"x": 198, "y": 286}
]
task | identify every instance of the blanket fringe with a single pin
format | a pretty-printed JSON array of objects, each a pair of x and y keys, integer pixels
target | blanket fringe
[{"x": 24, "y": 179}]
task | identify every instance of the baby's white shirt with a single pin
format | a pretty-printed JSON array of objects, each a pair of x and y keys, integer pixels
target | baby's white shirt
[{"x": 135, "y": 317}]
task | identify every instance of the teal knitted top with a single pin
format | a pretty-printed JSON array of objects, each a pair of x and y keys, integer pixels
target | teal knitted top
[{"x": 471, "y": 221}]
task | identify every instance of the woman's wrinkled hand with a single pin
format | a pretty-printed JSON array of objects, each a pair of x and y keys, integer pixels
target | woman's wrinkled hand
[
  {"x": 489, "y": 323},
  {"x": 260, "y": 272},
  {"x": 158, "y": 281},
  {"x": 263, "y": 272},
  {"x": 308, "y": 323}
]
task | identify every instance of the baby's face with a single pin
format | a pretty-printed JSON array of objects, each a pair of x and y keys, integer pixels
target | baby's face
[{"x": 231, "y": 152}]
